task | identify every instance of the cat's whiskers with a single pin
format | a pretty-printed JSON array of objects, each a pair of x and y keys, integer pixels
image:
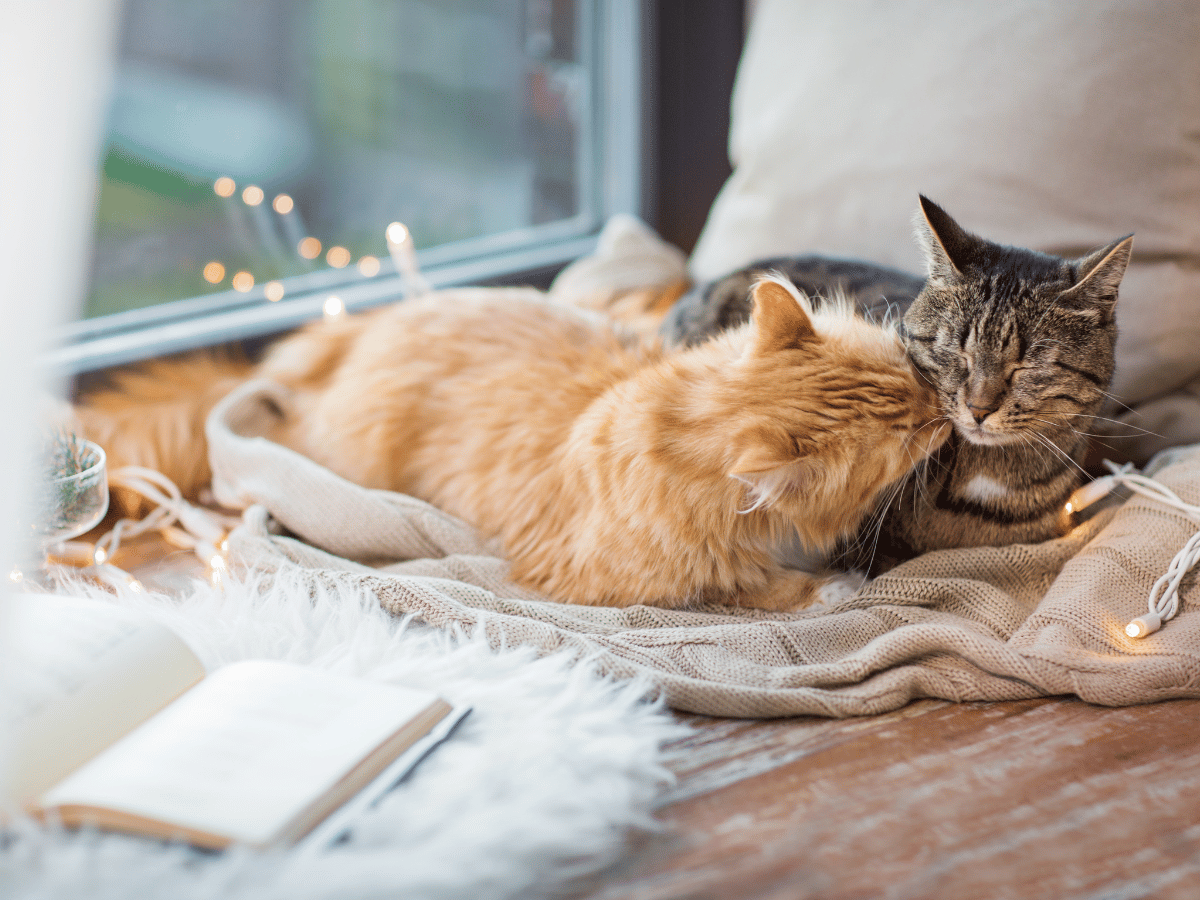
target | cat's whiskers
[
  {"x": 1136, "y": 428},
  {"x": 935, "y": 422},
  {"x": 1057, "y": 421},
  {"x": 872, "y": 528},
  {"x": 921, "y": 373},
  {"x": 1062, "y": 454},
  {"x": 893, "y": 315},
  {"x": 929, "y": 381},
  {"x": 1101, "y": 439},
  {"x": 920, "y": 469},
  {"x": 1107, "y": 446},
  {"x": 1031, "y": 445},
  {"x": 875, "y": 524},
  {"x": 922, "y": 483},
  {"x": 1072, "y": 428},
  {"x": 1115, "y": 399}
]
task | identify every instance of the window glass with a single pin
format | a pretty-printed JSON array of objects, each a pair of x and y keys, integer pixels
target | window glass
[{"x": 254, "y": 145}]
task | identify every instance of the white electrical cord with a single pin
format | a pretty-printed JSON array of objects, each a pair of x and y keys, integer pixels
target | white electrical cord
[
  {"x": 180, "y": 523},
  {"x": 1164, "y": 595}
]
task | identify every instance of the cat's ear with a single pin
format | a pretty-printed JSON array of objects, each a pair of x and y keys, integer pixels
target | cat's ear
[
  {"x": 763, "y": 448},
  {"x": 946, "y": 244},
  {"x": 781, "y": 316},
  {"x": 759, "y": 459},
  {"x": 1099, "y": 275},
  {"x": 772, "y": 468}
]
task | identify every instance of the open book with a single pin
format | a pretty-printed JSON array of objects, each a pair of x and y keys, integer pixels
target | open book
[{"x": 107, "y": 718}]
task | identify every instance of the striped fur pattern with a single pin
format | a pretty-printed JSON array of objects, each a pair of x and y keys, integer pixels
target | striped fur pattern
[
  {"x": 881, "y": 294},
  {"x": 1019, "y": 346}
]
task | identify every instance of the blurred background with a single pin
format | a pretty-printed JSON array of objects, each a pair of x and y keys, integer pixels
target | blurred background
[
  {"x": 252, "y": 155},
  {"x": 183, "y": 173},
  {"x": 277, "y": 137}
]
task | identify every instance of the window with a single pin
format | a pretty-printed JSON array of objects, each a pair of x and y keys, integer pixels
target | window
[{"x": 256, "y": 153}]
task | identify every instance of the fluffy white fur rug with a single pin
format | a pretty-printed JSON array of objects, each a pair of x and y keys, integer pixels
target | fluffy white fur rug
[{"x": 539, "y": 784}]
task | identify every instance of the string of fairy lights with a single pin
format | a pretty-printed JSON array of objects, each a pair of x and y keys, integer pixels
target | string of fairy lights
[
  {"x": 308, "y": 247},
  {"x": 1163, "y": 601},
  {"x": 200, "y": 529}
]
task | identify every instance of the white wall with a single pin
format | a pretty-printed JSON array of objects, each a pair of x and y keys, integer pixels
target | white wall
[{"x": 55, "y": 61}]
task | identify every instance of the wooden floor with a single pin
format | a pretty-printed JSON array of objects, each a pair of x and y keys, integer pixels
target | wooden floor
[
  {"x": 1047, "y": 799},
  {"x": 1051, "y": 799}
]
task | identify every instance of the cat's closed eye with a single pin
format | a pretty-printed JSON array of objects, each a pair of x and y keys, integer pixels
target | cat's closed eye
[{"x": 1015, "y": 371}]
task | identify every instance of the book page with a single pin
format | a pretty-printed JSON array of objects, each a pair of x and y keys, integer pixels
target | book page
[
  {"x": 76, "y": 675},
  {"x": 248, "y": 751}
]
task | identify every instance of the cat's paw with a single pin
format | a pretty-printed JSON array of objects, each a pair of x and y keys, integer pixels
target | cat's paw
[{"x": 838, "y": 588}]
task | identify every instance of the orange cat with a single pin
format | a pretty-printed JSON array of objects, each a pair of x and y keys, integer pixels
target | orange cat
[{"x": 612, "y": 473}]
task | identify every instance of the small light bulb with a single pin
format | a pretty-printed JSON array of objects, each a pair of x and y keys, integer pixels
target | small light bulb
[
  {"x": 214, "y": 272},
  {"x": 1143, "y": 625},
  {"x": 334, "y": 307},
  {"x": 16, "y": 576},
  {"x": 404, "y": 257},
  {"x": 397, "y": 233},
  {"x": 1069, "y": 508},
  {"x": 1089, "y": 493},
  {"x": 100, "y": 557}
]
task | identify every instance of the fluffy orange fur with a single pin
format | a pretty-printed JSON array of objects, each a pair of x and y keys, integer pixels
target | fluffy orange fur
[
  {"x": 612, "y": 472},
  {"x": 153, "y": 416},
  {"x": 640, "y": 310}
]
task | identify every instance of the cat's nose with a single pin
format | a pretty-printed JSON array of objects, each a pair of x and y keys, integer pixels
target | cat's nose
[{"x": 979, "y": 413}]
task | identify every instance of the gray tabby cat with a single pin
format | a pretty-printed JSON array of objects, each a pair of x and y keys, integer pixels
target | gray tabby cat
[
  {"x": 879, "y": 293},
  {"x": 1020, "y": 347}
]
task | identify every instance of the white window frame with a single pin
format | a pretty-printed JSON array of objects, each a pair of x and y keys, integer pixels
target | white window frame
[{"x": 613, "y": 32}]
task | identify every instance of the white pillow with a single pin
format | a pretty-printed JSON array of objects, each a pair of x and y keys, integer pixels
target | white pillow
[{"x": 1054, "y": 125}]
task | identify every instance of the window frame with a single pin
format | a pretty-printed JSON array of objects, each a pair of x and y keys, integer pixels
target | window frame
[{"x": 615, "y": 36}]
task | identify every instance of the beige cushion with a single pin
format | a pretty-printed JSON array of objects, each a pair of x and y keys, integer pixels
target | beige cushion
[
  {"x": 1058, "y": 126},
  {"x": 628, "y": 256}
]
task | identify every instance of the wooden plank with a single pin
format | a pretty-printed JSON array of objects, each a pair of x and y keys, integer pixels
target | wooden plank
[
  {"x": 1034, "y": 799},
  {"x": 723, "y": 751}
]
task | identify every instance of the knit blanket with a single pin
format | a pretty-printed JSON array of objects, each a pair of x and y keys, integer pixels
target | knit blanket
[{"x": 975, "y": 624}]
